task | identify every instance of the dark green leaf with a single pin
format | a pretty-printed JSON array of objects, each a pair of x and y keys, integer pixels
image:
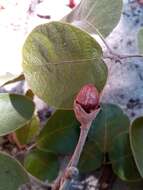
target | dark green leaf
[
  {"x": 16, "y": 111},
  {"x": 110, "y": 122},
  {"x": 60, "y": 134},
  {"x": 12, "y": 174},
  {"x": 91, "y": 14},
  {"x": 27, "y": 133},
  {"x": 44, "y": 166},
  {"x": 59, "y": 59},
  {"x": 136, "y": 139},
  {"x": 91, "y": 158},
  {"x": 122, "y": 159}
]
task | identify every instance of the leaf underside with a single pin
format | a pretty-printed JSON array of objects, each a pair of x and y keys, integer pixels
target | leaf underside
[{"x": 93, "y": 15}]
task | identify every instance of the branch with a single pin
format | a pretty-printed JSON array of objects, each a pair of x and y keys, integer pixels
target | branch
[
  {"x": 118, "y": 57},
  {"x": 112, "y": 55},
  {"x": 86, "y": 120}
]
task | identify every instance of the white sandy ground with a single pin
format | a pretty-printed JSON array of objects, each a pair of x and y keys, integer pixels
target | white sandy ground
[{"x": 16, "y": 23}]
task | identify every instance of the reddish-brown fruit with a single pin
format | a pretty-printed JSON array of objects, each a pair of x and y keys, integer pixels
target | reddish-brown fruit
[
  {"x": 88, "y": 98},
  {"x": 71, "y": 4}
]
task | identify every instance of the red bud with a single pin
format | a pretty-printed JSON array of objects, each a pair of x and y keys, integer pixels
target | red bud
[
  {"x": 88, "y": 98},
  {"x": 71, "y": 4}
]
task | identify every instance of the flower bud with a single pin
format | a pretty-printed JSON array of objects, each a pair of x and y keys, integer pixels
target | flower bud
[{"x": 88, "y": 98}]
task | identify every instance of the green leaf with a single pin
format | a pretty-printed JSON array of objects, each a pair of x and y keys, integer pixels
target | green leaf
[
  {"x": 110, "y": 122},
  {"x": 13, "y": 80},
  {"x": 12, "y": 174},
  {"x": 96, "y": 14},
  {"x": 59, "y": 59},
  {"x": 28, "y": 133},
  {"x": 136, "y": 140},
  {"x": 60, "y": 134},
  {"x": 91, "y": 158},
  {"x": 16, "y": 111},
  {"x": 140, "y": 40},
  {"x": 42, "y": 165},
  {"x": 122, "y": 160}
]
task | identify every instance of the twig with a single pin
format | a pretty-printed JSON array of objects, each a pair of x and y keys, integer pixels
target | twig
[
  {"x": 83, "y": 135},
  {"x": 70, "y": 174},
  {"x": 118, "y": 57},
  {"x": 112, "y": 55},
  {"x": 86, "y": 120}
]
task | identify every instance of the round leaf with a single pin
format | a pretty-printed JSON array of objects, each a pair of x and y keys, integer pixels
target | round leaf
[
  {"x": 91, "y": 14},
  {"x": 110, "y": 122},
  {"x": 60, "y": 134},
  {"x": 42, "y": 165},
  {"x": 16, "y": 111},
  {"x": 12, "y": 174},
  {"x": 59, "y": 59},
  {"x": 122, "y": 160},
  {"x": 136, "y": 139}
]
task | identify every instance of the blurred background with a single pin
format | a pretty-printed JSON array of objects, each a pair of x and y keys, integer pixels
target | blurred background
[{"x": 17, "y": 19}]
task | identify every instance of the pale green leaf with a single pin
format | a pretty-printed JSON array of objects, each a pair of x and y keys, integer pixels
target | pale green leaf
[
  {"x": 90, "y": 15},
  {"x": 59, "y": 59},
  {"x": 15, "y": 112},
  {"x": 140, "y": 40}
]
